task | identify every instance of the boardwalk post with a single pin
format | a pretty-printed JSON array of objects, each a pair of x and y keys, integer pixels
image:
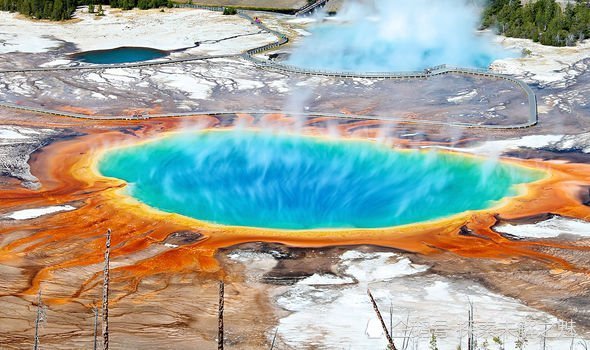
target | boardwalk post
[
  {"x": 376, "y": 308},
  {"x": 220, "y": 317},
  {"x": 105, "y": 293}
]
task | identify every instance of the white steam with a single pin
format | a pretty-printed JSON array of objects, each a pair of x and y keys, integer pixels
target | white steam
[{"x": 399, "y": 35}]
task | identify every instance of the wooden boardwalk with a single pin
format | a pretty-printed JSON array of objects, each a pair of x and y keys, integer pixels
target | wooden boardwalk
[
  {"x": 266, "y": 64},
  {"x": 311, "y": 8}
]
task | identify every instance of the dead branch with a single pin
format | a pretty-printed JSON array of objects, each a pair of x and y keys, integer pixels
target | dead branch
[
  {"x": 39, "y": 319},
  {"x": 220, "y": 317},
  {"x": 376, "y": 308},
  {"x": 105, "y": 293}
]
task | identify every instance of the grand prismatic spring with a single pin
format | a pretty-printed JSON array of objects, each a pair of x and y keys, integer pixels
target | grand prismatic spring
[
  {"x": 292, "y": 182},
  {"x": 302, "y": 153}
]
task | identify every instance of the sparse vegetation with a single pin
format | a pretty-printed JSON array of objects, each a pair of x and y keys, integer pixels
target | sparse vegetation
[
  {"x": 521, "y": 339},
  {"x": 526, "y": 52},
  {"x": 433, "y": 343},
  {"x": 498, "y": 342}
]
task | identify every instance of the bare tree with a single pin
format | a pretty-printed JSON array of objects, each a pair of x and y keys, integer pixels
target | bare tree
[
  {"x": 376, "y": 308},
  {"x": 390, "y": 317},
  {"x": 470, "y": 338},
  {"x": 105, "y": 293},
  {"x": 274, "y": 338},
  {"x": 406, "y": 341},
  {"x": 41, "y": 317},
  {"x": 220, "y": 317},
  {"x": 544, "y": 342},
  {"x": 95, "y": 343}
]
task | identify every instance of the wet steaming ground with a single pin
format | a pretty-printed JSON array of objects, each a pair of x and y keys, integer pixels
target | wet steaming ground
[
  {"x": 568, "y": 101},
  {"x": 234, "y": 85}
]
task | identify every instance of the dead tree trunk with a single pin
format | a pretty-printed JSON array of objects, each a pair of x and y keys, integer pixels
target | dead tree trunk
[
  {"x": 544, "y": 346},
  {"x": 376, "y": 308},
  {"x": 406, "y": 341},
  {"x": 40, "y": 318},
  {"x": 274, "y": 338},
  {"x": 390, "y": 317},
  {"x": 105, "y": 293},
  {"x": 220, "y": 317},
  {"x": 95, "y": 343},
  {"x": 470, "y": 339}
]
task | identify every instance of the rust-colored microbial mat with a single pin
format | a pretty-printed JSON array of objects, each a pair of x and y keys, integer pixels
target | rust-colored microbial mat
[{"x": 75, "y": 239}]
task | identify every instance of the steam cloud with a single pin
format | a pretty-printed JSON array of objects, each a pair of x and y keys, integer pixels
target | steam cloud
[{"x": 399, "y": 35}]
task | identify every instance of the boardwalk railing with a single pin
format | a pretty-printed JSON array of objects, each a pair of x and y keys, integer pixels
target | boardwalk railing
[
  {"x": 201, "y": 7},
  {"x": 429, "y": 72},
  {"x": 268, "y": 64},
  {"x": 311, "y": 7},
  {"x": 251, "y": 112}
]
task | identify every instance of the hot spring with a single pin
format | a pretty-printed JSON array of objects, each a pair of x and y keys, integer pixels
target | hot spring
[
  {"x": 120, "y": 55},
  {"x": 260, "y": 179},
  {"x": 399, "y": 35}
]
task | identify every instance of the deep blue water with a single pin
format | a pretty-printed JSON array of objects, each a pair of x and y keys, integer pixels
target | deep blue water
[
  {"x": 292, "y": 182},
  {"x": 120, "y": 55}
]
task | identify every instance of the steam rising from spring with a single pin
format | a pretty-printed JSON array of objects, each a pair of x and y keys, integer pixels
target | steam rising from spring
[
  {"x": 277, "y": 180},
  {"x": 399, "y": 35}
]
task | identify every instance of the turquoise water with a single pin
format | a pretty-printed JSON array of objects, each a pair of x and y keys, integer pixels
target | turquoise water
[
  {"x": 267, "y": 180},
  {"x": 120, "y": 55}
]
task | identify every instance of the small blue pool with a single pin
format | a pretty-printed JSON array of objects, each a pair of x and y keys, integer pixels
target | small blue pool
[{"x": 120, "y": 55}]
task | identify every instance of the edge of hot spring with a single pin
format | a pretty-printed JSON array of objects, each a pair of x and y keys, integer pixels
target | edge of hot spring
[{"x": 126, "y": 200}]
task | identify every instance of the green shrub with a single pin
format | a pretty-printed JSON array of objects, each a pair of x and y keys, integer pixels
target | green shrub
[
  {"x": 229, "y": 11},
  {"x": 100, "y": 11}
]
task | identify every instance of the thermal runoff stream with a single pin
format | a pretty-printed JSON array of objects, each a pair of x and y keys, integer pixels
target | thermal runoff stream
[{"x": 269, "y": 180}]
